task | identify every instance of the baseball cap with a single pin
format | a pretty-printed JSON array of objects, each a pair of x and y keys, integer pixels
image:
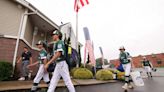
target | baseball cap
[
  {"x": 122, "y": 48},
  {"x": 55, "y": 32},
  {"x": 40, "y": 43},
  {"x": 144, "y": 57}
]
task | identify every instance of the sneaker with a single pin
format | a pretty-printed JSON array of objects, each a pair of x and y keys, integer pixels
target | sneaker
[
  {"x": 21, "y": 79},
  {"x": 130, "y": 86},
  {"x": 125, "y": 86}
]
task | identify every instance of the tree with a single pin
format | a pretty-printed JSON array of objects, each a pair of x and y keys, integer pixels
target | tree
[{"x": 99, "y": 62}]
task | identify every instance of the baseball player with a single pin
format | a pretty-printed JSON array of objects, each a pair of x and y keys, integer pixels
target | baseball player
[
  {"x": 61, "y": 69},
  {"x": 126, "y": 61},
  {"x": 147, "y": 66},
  {"x": 42, "y": 60}
]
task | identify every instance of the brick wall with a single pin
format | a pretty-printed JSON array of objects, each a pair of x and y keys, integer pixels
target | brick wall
[
  {"x": 154, "y": 58},
  {"x": 7, "y": 48}
]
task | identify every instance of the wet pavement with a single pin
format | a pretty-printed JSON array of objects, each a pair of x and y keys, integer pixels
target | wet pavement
[
  {"x": 155, "y": 84},
  {"x": 159, "y": 72}
]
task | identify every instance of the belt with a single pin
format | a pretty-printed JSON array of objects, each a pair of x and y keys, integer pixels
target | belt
[
  {"x": 25, "y": 60},
  {"x": 61, "y": 60}
]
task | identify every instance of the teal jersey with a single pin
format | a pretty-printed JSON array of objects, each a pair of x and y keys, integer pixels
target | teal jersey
[
  {"x": 42, "y": 56},
  {"x": 59, "y": 46},
  {"x": 123, "y": 57},
  {"x": 146, "y": 63}
]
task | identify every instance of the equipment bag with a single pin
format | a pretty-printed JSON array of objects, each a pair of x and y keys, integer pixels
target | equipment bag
[{"x": 137, "y": 79}]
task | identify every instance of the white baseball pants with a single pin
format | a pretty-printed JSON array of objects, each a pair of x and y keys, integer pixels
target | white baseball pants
[
  {"x": 127, "y": 68},
  {"x": 147, "y": 68},
  {"x": 61, "y": 70},
  {"x": 41, "y": 74}
]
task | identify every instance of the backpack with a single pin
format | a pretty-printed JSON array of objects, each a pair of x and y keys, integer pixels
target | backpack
[
  {"x": 120, "y": 68},
  {"x": 71, "y": 56}
]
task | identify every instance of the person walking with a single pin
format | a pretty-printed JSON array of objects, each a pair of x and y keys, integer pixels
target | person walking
[
  {"x": 126, "y": 61},
  {"x": 147, "y": 65},
  {"x": 42, "y": 60},
  {"x": 26, "y": 59},
  {"x": 61, "y": 69}
]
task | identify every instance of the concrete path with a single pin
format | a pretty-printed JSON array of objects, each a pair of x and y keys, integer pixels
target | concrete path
[
  {"x": 158, "y": 73},
  {"x": 155, "y": 84},
  {"x": 22, "y": 85},
  {"x": 93, "y": 85}
]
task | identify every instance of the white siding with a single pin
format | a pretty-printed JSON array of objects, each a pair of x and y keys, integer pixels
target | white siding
[
  {"x": 29, "y": 32},
  {"x": 66, "y": 29},
  {"x": 10, "y": 16}
]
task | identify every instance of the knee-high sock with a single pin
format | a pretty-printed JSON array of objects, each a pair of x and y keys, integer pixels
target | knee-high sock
[
  {"x": 126, "y": 79},
  {"x": 130, "y": 79},
  {"x": 34, "y": 87},
  {"x": 48, "y": 83},
  {"x": 147, "y": 74},
  {"x": 150, "y": 74}
]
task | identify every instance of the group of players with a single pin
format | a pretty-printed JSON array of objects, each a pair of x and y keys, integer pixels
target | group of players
[
  {"x": 128, "y": 66},
  {"x": 61, "y": 69},
  {"x": 58, "y": 56}
]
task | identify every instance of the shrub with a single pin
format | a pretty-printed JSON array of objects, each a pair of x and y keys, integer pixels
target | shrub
[
  {"x": 82, "y": 65},
  {"x": 104, "y": 74},
  {"x": 113, "y": 70},
  {"x": 121, "y": 76},
  {"x": 5, "y": 70},
  {"x": 82, "y": 73},
  {"x": 88, "y": 66},
  {"x": 43, "y": 90},
  {"x": 73, "y": 70}
]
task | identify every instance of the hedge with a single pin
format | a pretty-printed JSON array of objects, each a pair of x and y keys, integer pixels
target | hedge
[
  {"x": 5, "y": 70},
  {"x": 82, "y": 73},
  {"x": 104, "y": 74},
  {"x": 121, "y": 76}
]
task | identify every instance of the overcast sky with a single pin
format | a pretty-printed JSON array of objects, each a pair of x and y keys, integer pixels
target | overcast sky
[{"x": 136, "y": 24}]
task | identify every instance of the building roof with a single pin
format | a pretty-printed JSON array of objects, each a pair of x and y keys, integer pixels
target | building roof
[{"x": 38, "y": 12}]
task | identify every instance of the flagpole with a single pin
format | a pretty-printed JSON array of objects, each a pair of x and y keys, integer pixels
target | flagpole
[
  {"x": 76, "y": 7},
  {"x": 85, "y": 52},
  {"x": 77, "y": 65}
]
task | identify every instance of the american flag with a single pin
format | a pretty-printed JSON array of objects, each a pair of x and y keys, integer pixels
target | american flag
[
  {"x": 88, "y": 47},
  {"x": 85, "y": 51},
  {"x": 91, "y": 52},
  {"x": 80, "y": 3}
]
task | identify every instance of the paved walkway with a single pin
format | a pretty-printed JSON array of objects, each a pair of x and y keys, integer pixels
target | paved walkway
[
  {"x": 24, "y": 85},
  {"x": 154, "y": 84},
  {"x": 21, "y": 85},
  {"x": 158, "y": 73}
]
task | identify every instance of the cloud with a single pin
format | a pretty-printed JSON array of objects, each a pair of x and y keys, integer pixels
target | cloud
[{"x": 136, "y": 24}]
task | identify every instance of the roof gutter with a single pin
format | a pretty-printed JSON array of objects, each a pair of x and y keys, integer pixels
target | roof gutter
[{"x": 21, "y": 28}]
